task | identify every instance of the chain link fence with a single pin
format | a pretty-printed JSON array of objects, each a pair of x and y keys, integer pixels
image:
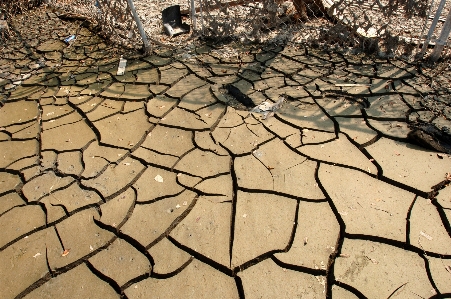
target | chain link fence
[{"x": 386, "y": 27}]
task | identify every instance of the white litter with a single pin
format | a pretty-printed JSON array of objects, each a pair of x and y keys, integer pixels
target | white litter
[
  {"x": 121, "y": 67},
  {"x": 268, "y": 108},
  {"x": 159, "y": 178},
  {"x": 425, "y": 235}
]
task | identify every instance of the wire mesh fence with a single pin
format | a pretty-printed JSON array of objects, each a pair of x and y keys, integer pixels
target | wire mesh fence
[{"x": 386, "y": 27}]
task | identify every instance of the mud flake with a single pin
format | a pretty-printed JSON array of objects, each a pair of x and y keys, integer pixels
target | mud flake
[
  {"x": 67, "y": 137},
  {"x": 333, "y": 152},
  {"x": 123, "y": 130},
  {"x": 401, "y": 268},
  {"x": 115, "y": 211},
  {"x": 149, "y": 187},
  {"x": 121, "y": 262},
  {"x": 319, "y": 240},
  {"x": 203, "y": 164},
  {"x": 358, "y": 208},
  {"x": 213, "y": 282},
  {"x": 115, "y": 178},
  {"x": 149, "y": 221},
  {"x": 11, "y": 151},
  {"x": 159, "y": 253}
]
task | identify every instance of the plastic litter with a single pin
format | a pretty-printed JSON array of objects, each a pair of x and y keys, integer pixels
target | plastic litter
[
  {"x": 121, "y": 67},
  {"x": 172, "y": 21},
  {"x": 68, "y": 39},
  {"x": 267, "y": 108}
]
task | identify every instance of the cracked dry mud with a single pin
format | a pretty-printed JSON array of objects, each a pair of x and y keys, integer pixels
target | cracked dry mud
[{"x": 152, "y": 185}]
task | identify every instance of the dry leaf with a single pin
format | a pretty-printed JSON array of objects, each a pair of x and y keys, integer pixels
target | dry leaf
[{"x": 65, "y": 252}]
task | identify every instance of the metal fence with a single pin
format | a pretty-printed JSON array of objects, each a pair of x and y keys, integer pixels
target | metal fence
[{"x": 387, "y": 27}]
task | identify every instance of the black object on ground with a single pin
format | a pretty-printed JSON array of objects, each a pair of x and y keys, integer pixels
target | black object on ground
[
  {"x": 241, "y": 97},
  {"x": 172, "y": 21},
  {"x": 429, "y": 136}
]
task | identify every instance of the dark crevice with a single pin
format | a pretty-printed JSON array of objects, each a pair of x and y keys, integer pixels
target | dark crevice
[
  {"x": 396, "y": 243},
  {"x": 113, "y": 284},
  {"x": 107, "y": 198},
  {"x": 332, "y": 258},
  {"x": 445, "y": 221},
  {"x": 130, "y": 240},
  {"x": 351, "y": 289},
  {"x": 202, "y": 258},
  {"x": 397, "y": 289},
  {"x": 34, "y": 286},
  {"x": 64, "y": 208},
  {"x": 156, "y": 199},
  {"x": 403, "y": 186},
  {"x": 429, "y": 273},
  {"x": 39, "y": 228},
  {"x": 315, "y": 272},
  {"x": 282, "y": 194},
  {"x": 173, "y": 273},
  {"x": 174, "y": 223},
  {"x": 233, "y": 211},
  {"x": 409, "y": 213},
  {"x": 239, "y": 286},
  {"x": 181, "y": 157}
]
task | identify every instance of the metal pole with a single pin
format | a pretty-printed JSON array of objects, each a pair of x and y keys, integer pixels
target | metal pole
[
  {"x": 201, "y": 17},
  {"x": 441, "y": 42},
  {"x": 433, "y": 25},
  {"x": 146, "y": 43},
  {"x": 193, "y": 15},
  {"x": 424, "y": 28}
]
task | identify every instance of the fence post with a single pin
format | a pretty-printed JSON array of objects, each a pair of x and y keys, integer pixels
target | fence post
[
  {"x": 193, "y": 15},
  {"x": 140, "y": 27},
  {"x": 441, "y": 41},
  {"x": 432, "y": 28}
]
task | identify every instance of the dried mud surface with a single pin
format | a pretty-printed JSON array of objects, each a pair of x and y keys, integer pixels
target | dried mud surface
[{"x": 155, "y": 184}]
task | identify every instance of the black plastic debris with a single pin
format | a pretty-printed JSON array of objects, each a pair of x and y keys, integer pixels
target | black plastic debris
[
  {"x": 429, "y": 136},
  {"x": 172, "y": 21},
  {"x": 239, "y": 96}
]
